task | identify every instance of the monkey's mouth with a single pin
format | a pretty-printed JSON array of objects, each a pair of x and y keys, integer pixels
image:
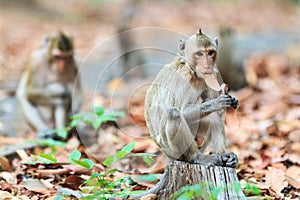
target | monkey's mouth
[{"x": 207, "y": 72}]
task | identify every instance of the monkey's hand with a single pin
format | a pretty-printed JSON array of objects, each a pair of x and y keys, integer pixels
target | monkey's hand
[
  {"x": 221, "y": 102},
  {"x": 230, "y": 160},
  {"x": 57, "y": 90},
  {"x": 234, "y": 102}
]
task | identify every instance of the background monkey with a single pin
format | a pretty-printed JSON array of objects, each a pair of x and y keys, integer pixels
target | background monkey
[
  {"x": 49, "y": 88},
  {"x": 184, "y": 115}
]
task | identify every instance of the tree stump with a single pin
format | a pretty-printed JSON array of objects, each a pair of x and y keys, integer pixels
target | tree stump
[{"x": 211, "y": 178}]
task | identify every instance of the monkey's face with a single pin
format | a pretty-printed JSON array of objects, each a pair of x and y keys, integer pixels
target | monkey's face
[
  {"x": 61, "y": 60},
  {"x": 60, "y": 51},
  {"x": 201, "y": 53},
  {"x": 203, "y": 61}
]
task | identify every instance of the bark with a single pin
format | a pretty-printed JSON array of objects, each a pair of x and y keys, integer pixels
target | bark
[{"x": 211, "y": 178}]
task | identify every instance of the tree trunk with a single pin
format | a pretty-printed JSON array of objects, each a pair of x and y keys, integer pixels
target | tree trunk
[{"x": 215, "y": 182}]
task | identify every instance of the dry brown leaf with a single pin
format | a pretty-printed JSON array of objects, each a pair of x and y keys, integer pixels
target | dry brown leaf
[
  {"x": 293, "y": 182},
  {"x": 231, "y": 119},
  {"x": 8, "y": 177},
  {"x": 149, "y": 197},
  {"x": 73, "y": 182},
  {"x": 288, "y": 125},
  {"x": 116, "y": 84},
  {"x": 4, "y": 163},
  {"x": 6, "y": 195},
  {"x": 294, "y": 172},
  {"x": 275, "y": 179},
  {"x": 23, "y": 155}
]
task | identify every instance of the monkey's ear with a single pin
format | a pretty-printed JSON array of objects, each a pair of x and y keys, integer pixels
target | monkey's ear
[
  {"x": 181, "y": 47},
  {"x": 216, "y": 41}
]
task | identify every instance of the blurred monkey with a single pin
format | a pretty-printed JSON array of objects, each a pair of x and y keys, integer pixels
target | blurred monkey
[{"x": 49, "y": 89}]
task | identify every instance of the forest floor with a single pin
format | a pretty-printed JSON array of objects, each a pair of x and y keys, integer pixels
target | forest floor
[{"x": 267, "y": 140}]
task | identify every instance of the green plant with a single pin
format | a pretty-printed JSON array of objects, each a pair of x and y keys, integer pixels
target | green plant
[
  {"x": 198, "y": 190},
  {"x": 99, "y": 185}
]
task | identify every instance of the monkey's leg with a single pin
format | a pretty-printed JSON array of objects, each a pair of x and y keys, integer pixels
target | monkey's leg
[
  {"x": 60, "y": 116},
  {"x": 182, "y": 141},
  {"x": 33, "y": 116}
]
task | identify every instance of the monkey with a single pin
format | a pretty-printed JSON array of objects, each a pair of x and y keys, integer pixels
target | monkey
[
  {"x": 49, "y": 88},
  {"x": 184, "y": 115}
]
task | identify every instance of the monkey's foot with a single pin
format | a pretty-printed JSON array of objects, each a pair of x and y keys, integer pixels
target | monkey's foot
[
  {"x": 209, "y": 160},
  {"x": 230, "y": 160}
]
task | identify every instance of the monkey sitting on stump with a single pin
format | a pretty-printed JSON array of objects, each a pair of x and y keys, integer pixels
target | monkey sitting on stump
[
  {"x": 49, "y": 88},
  {"x": 184, "y": 115}
]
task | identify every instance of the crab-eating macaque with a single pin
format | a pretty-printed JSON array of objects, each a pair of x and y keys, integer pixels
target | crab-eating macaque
[
  {"x": 184, "y": 115},
  {"x": 231, "y": 70},
  {"x": 49, "y": 90}
]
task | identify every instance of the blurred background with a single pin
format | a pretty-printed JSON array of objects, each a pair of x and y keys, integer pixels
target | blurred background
[{"x": 258, "y": 39}]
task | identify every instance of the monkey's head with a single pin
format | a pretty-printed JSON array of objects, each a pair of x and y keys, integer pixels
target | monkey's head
[
  {"x": 59, "y": 50},
  {"x": 200, "y": 51}
]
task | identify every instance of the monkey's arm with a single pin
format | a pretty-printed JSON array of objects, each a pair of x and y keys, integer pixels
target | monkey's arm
[
  {"x": 194, "y": 112},
  {"x": 77, "y": 97},
  {"x": 30, "y": 112}
]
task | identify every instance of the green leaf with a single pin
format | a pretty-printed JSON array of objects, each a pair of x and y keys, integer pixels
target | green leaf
[
  {"x": 118, "y": 114},
  {"x": 58, "y": 197},
  {"x": 43, "y": 160},
  {"x": 236, "y": 187},
  {"x": 62, "y": 133},
  {"x": 150, "y": 155},
  {"x": 98, "y": 110},
  {"x": 87, "y": 164},
  {"x": 109, "y": 172},
  {"x": 96, "y": 124},
  {"x": 106, "y": 118},
  {"x": 108, "y": 161},
  {"x": 147, "y": 160},
  {"x": 147, "y": 178},
  {"x": 74, "y": 123},
  {"x": 129, "y": 147},
  {"x": 215, "y": 192},
  {"x": 48, "y": 157},
  {"x": 120, "y": 154},
  {"x": 51, "y": 143},
  {"x": 75, "y": 155},
  {"x": 77, "y": 116}
]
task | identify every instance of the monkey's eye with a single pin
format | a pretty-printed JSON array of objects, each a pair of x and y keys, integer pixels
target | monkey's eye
[
  {"x": 211, "y": 53},
  {"x": 199, "y": 54}
]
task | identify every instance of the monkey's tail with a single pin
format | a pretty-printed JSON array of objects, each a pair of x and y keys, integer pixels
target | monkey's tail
[{"x": 157, "y": 188}]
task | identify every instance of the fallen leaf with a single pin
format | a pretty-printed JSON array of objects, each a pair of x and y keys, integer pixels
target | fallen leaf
[
  {"x": 4, "y": 163},
  {"x": 6, "y": 195},
  {"x": 149, "y": 197},
  {"x": 293, "y": 182},
  {"x": 275, "y": 179},
  {"x": 72, "y": 182},
  {"x": 294, "y": 172}
]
